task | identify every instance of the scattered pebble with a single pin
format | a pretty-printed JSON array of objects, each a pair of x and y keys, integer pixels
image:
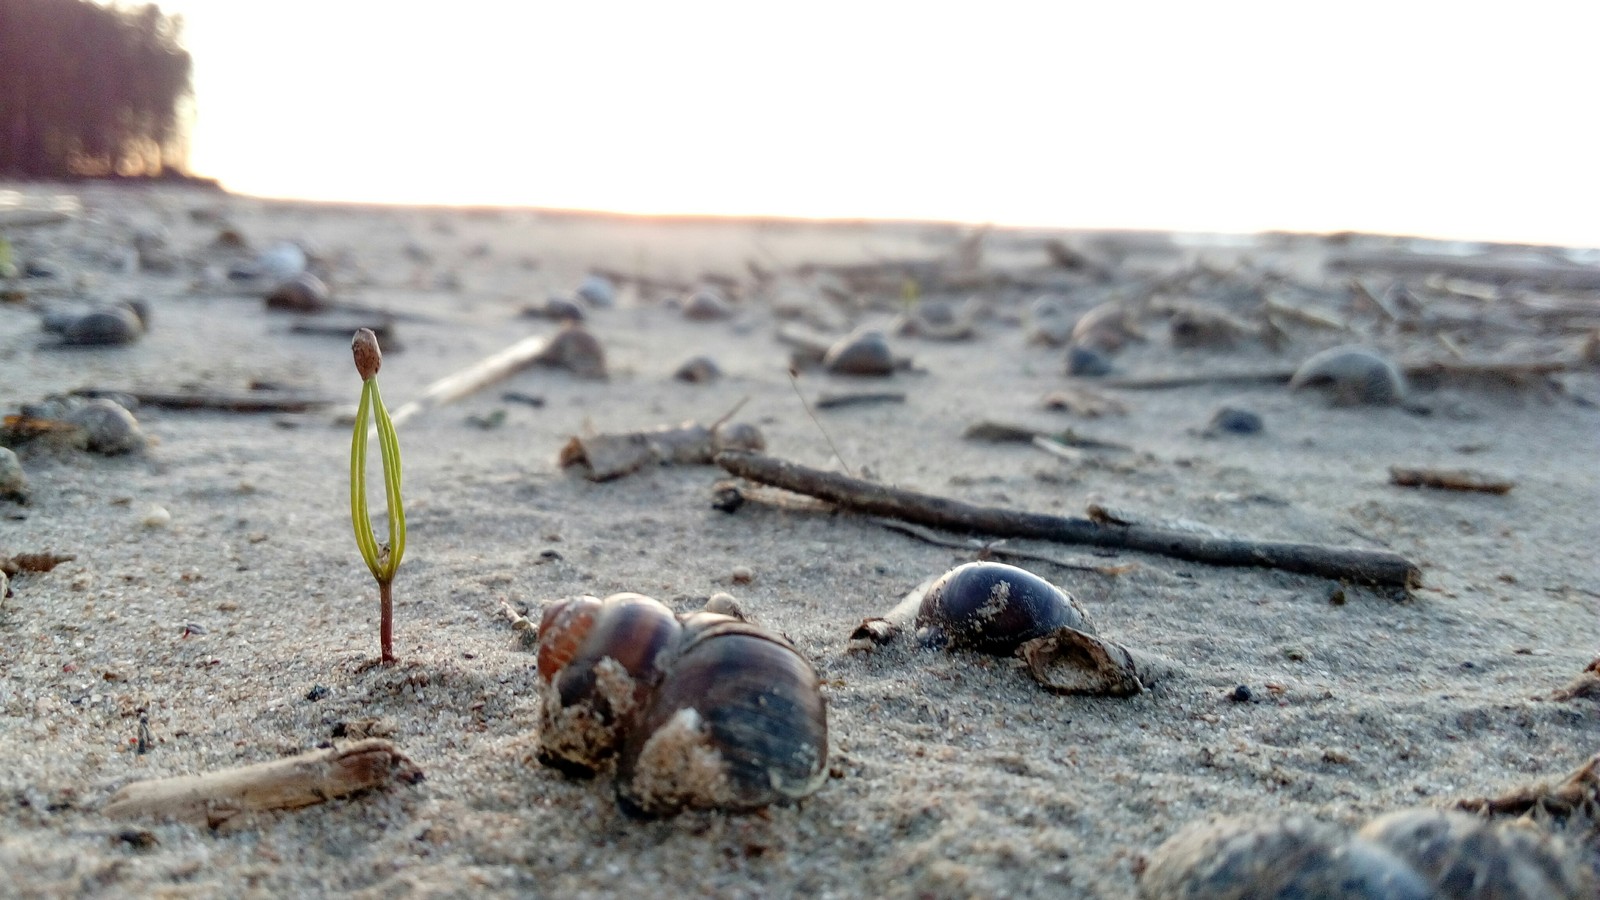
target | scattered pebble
[
  {"x": 724, "y": 603},
  {"x": 1106, "y": 327},
  {"x": 698, "y": 370},
  {"x": 598, "y": 292},
  {"x": 741, "y": 575},
  {"x": 1234, "y": 420},
  {"x": 13, "y": 483},
  {"x": 737, "y": 436},
  {"x": 157, "y": 516},
  {"x": 707, "y": 306},
  {"x": 1241, "y": 694},
  {"x": 1351, "y": 376},
  {"x": 317, "y": 692},
  {"x": 281, "y": 261},
  {"x": 107, "y": 326},
  {"x": 1049, "y": 322},
  {"x": 109, "y": 428},
  {"x": 862, "y": 353},
  {"x": 560, "y": 309},
  {"x": 303, "y": 292},
  {"x": 573, "y": 348},
  {"x": 1086, "y": 362}
]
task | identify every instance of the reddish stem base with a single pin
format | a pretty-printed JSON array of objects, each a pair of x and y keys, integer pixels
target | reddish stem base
[{"x": 386, "y": 622}]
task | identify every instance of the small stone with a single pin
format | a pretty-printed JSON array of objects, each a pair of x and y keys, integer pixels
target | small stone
[
  {"x": 559, "y": 309},
  {"x": 157, "y": 517},
  {"x": 13, "y": 483},
  {"x": 699, "y": 370},
  {"x": 726, "y": 497},
  {"x": 707, "y": 306},
  {"x": 107, "y": 326},
  {"x": 1241, "y": 694},
  {"x": 1048, "y": 321},
  {"x": 741, "y": 575},
  {"x": 598, "y": 291},
  {"x": 737, "y": 436},
  {"x": 109, "y": 428},
  {"x": 575, "y": 349},
  {"x": 863, "y": 353},
  {"x": 317, "y": 692},
  {"x": 1351, "y": 376},
  {"x": 303, "y": 292},
  {"x": 724, "y": 603},
  {"x": 281, "y": 261},
  {"x": 1234, "y": 420},
  {"x": 1087, "y": 362}
]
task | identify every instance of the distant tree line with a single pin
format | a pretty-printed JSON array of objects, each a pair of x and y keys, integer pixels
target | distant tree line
[{"x": 90, "y": 90}]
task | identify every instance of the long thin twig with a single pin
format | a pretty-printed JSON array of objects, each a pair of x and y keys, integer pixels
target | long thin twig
[
  {"x": 1378, "y": 567},
  {"x": 238, "y": 403},
  {"x": 1435, "y": 369},
  {"x": 984, "y": 549}
]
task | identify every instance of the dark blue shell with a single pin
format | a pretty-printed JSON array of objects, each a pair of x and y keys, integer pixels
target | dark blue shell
[{"x": 994, "y": 608}]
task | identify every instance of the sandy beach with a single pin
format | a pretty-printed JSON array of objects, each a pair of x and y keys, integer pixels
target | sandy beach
[{"x": 215, "y": 590}]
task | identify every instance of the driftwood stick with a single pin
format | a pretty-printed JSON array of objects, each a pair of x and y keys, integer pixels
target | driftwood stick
[
  {"x": 987, "y": 549},
  {"x": 315, "y": 776},
  {"x": 1378, "y": 567},
  {"x": 475, "y": 377},
  {"x": 1449, "y": 480},
  {"x": 1437, "y": 369},
  {"x": 1498, "y": 271},
  {"x": 239, "y": 403}
]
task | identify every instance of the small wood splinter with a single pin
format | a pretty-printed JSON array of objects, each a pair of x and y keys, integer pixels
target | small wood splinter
[
  {"x": 1449, "y": 480},
  {"x": 217, "y": 799}
]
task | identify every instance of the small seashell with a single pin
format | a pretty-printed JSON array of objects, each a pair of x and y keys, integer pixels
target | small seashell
[
  {"x": 707, "y": 306},
  {"x": 1240, "y": 859},
  {"x": 598, "y": 291},
  {"x": 1193, "y": 325},
  {"x": 1084, "y": 361},
  {"x": 303, "y": 292},
  {"x": 13, "y": 483},
  {"x": 1350, "y": 376},
  {"x": 698, "y": 370},
  {"x": 737, "y": 436},
  {"x": 724, "y": 604},
  {"x": 599, "y": 660},
  {"x": 107, "y": 326},
  {"x": 156, "y": 516},
  {"x": 862, "y": 353},
  {"x": 109, "y": 428},
  {"x": 1233, "y": 420},
  {"x": 573, "y": 348},
  {"x": 561, "y": 309},
  {"x": 994, "y": 608},
  {"x": 1107, "y": 327},
  {"x": 737, "y": 724}
]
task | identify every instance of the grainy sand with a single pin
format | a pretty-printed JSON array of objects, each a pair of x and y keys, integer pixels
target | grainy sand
[{"x": 955, "y": 775}]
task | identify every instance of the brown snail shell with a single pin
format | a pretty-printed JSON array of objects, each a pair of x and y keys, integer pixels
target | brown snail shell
[
  {"x": 1238, "y": 859},
  {"x": 598, "y": 662},
  {"x": 1468, "y": 857},
  {"x": 303, "y": 292},
  {"x": 737, "y": 723},
  {"x": 995, "y": 608}
]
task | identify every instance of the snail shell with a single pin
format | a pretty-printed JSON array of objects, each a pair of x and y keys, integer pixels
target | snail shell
[
  {"x": 108, "y": 427},
  {"x": 598, "y": 662},
  {"x": 861, "y": 353},
  {"x": 117, "y": 324},
  {"x": 1295, "y": 857},
  {"x": 738, "y": 723},
  {"x": 1351, "y": 376},
  {"x": 995, "y": 608},
  {"x": 1464, "y": 856},
  {"x": 302, "y": 292}
]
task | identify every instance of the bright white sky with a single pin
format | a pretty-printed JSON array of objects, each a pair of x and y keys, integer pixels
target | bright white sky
[{"x": 1446, "y": 119}]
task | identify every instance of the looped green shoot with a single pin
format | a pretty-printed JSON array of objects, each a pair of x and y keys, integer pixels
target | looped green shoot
[{"x": 382, "y": 560}]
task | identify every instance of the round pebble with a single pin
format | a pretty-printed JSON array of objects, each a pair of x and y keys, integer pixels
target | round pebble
[
  {"x": 13, "y": 483},
  {"x": 281, "y": 261},
  {"x": 108, "y": 326},
  {"x": 303, "y": 292},
  {"x": 698, "y": 370},
  {"x": 598, "y": 291},
  {"x": 707, "y": 306},
  {"x": 1351, "y": 376},
  {"x": 157, "y": 516},
  {"x": 724, "y": 603},
  {"x": 741, "y": 575},
  {"x": 1234, "y": 420},
  {"x": 1087, "y": 362},
  {"x": 109, "y": 428},
  {"x": 738, "y": 436},
  {"x": 863, "y": 353}
]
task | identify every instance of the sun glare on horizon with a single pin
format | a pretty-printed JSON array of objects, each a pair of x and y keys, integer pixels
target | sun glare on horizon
[{"x": 1421, "y": 119}]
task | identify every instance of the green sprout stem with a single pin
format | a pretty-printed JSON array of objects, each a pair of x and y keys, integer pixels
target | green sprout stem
[{"x": 382, "y": 560}]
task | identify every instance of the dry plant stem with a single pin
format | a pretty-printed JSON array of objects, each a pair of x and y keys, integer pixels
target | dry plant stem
[
  {"x": 473, "y": 378},
  {"x": 386, "y": 622},
  {"x": 1449, "y": 480},
  {"x": 985, "y": 550},
  {"x": 1511, "y": 369},
  {"x": 1378, "y": 567},
  {"x": 218, "y": 798},
  {"x": 238, "y": 403}
]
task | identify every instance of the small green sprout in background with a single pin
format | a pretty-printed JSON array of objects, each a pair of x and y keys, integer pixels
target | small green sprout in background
[{"x": 382, "y": 559}]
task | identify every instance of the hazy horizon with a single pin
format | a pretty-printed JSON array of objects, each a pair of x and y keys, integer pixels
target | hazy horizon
[{"x": 1427, "y": 119}]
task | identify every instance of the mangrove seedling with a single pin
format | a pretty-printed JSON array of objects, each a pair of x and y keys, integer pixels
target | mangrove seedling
[{"x": 382, "y": 559}]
